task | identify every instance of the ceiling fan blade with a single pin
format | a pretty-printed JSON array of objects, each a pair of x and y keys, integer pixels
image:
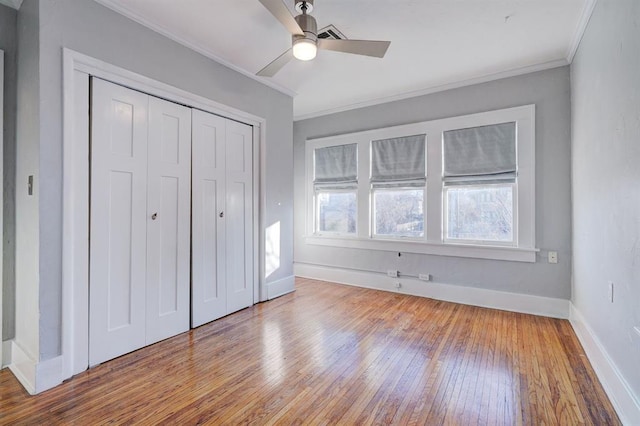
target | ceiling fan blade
[
  {"x": 358, "y": 47},
  {"x": 276, "y": 65},
  {"x": 282, "y": 14}
]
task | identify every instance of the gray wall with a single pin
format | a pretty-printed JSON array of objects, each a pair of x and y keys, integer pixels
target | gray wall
[
  {"x": 549, "y": 91},
  {"x": 92, "y": 29},
  {"x": 8, "y": 43},
  {"x": 606, "y": 181}
]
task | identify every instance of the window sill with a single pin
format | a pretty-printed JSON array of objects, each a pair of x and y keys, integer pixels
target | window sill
[{"x": 514, "y": 254}]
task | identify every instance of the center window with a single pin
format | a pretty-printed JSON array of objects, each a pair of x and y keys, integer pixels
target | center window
[{"x": 397, "y": 186}]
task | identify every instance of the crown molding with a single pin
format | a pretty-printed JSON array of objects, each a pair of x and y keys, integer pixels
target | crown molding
[
  {"x": 118, "y": 8},
  {"x": 587, "y": 11},
  {"x": 435, "y": 89},
  {"x": 15, "y": 4}
]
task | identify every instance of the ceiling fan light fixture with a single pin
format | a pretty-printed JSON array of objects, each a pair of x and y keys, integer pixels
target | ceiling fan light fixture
[{"x": 304, "y": 49}]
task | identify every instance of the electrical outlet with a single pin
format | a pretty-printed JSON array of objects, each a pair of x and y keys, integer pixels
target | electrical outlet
[
  {"x": 423, "y": 277},
  {"x": 553, "y": 257},
  {"x": 392, "y": 273},
  {"x": 398, "y": 285},
  {"x": 610, "y": 291}
]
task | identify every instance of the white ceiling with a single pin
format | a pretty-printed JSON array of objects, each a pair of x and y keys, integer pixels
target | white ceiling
[{"x": 435, "y": 44}]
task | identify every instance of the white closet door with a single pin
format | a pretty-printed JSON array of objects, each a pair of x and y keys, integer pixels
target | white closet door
[
  {"x": 222, "y": 237},
  {"x": 208, "y": 290},
  {"x": 168, "y": 220},
  {"x": 238, "y": 216},
  {"x": 117, "y": 273}
]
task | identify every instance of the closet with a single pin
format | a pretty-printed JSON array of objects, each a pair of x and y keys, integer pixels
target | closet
[{"x": 166, "y": 180}]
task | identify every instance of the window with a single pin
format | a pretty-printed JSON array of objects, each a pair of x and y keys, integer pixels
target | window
[
  {"x": 336, "y": 211},
  {"x": 398, "y": 212},
  {"x": 480, "y": 213},
  {"x": 335, "y": 183},
  {"x": 397, "y": 186},
  {"x": 460, "y": 186},
  {"x": 479, "y": 179}
]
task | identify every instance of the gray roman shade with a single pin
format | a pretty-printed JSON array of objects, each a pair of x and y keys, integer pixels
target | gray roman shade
[
  {"x": 398, "y": 161},
  {"x": 484, "y": 154},
  {"x": 336, "y": 166}
]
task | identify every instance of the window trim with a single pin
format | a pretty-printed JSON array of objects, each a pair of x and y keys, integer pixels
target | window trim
[{"x": 433, "y": 242}]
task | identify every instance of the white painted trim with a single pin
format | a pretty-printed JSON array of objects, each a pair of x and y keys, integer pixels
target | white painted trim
[
  {"x": 122, "y": 10},
  {"x": 263, "y": 294},
  {"x": 6, "y": 354},
  {"x": 12, "y": 3},
  {"x": 281, "y": 287},
  {"x": 627, "y": 405},
  {"x": 514, "y": 302},
  {"x": 35, "y": 377},
  {"x": 587, "y": 11},
  {"x": 48, "y": 374},
  {"x": 23, "y": 367},
  {"x": 435, "y": 89},
  {"x": 75, "y": 194}
]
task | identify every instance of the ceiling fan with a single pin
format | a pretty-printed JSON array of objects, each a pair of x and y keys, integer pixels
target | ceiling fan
[{"x": 305, "y": 42}]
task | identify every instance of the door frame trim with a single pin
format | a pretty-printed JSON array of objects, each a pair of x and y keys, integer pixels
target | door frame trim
[{"x": 75, "y": 207}]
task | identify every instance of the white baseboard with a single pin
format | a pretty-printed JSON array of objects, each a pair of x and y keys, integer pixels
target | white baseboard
[
  {"x": 6, "y": 354},
  {"x": 528, "y": 304},
  {"x": 624, "y": 401},
  {"x": 281, "y": 287},
  {"x": 35, "y": 377},
  {"x": 23, "y": 367},
  {"x": 48, "y": 374}
]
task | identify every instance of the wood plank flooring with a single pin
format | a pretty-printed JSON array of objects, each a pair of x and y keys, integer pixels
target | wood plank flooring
[{"x": 334, "y": 354}]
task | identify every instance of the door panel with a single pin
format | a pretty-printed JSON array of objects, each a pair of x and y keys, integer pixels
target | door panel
[
  {"x": 168, "y": 220},
  {"x": 239, "y": 218},
  {"x": 119, "y": 281},
  {"x": 117, "y": 265},
  {"x": 209, "y": 241},
  {"x": 169, "y": 241},
  {"x": 208, "y": 289},
  {"x": 222, "y": 243}
]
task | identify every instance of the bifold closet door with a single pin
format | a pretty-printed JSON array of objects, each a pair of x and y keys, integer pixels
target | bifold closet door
[
  {"x": 222, "y": 237},
  {"x": 169, "y": 220},
  {"x": 140, "y": 222}
]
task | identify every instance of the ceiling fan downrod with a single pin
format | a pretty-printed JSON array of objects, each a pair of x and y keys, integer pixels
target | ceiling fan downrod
[{"x": 303, "y": 6}]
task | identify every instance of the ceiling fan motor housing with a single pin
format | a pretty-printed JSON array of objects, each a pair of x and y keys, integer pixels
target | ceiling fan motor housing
[{"x": 309, "y": 27}]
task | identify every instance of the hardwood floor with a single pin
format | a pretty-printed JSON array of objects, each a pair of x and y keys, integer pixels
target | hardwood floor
[{"x": 333, "y": 354}]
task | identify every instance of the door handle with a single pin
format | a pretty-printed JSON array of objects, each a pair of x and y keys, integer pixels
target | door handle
[
  {"x": 154, "y": 216},
  {"x": 221, "y": 214}
]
